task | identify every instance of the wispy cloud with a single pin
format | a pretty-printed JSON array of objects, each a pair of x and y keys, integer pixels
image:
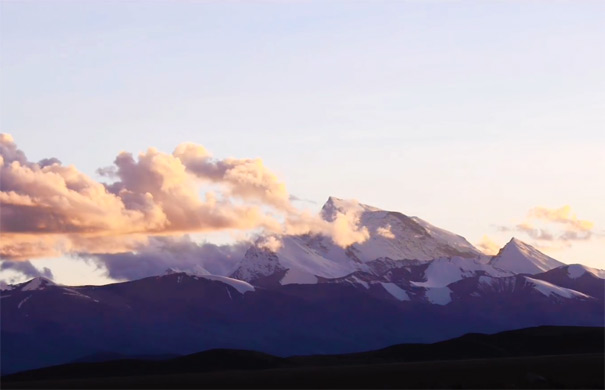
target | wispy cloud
[
  {"x": 534, "y": 232},
  {"x": 25, "y": 269},
  {"x": 488, "y": 246},
  {"x": 552, "y": 228},
  {"x": 563, "y": 216},
  {"x": 385, "y": 231}
]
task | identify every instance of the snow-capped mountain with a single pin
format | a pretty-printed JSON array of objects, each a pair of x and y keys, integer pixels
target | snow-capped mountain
[
  {"x": 441, "y": 272},
  {"x": 420, "y": 281},
  {"x": 179, "y": 313},
  {"x": 520, "y": 287},
  {"x": 578, "y": 271},
  {"x": 409, "y": 282},
  {"x": 521, "y": 258},
  {"x": 240, "y": 285},
  {"x": 38, "y": 283},
  {"x": 397, "y": 236},
  {"x": 393, "y": 235},
  {"x": 442, "y": 281},
  {"x": 576, "y": 277}
]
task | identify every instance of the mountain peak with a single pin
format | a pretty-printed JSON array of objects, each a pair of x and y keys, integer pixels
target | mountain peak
[
  {"x": 518, "y": 243},
  {"x": 170, "y": 271},
  {"x": 339, "y": 203},
  {"x": 333, "y": 199},
  {"x": 519, "y": 257},
  {"x": 335, "y": 205},
  {"x": 514, "y": 242},
  {"x": 575, "y": 271},
  {"x": 37, "y": 283}
]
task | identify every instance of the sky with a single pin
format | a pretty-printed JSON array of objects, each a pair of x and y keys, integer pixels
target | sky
[{"x": 485, "y": 118}]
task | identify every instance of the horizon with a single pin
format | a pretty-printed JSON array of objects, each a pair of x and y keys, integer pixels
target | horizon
[{"x": 125, "y": 124}]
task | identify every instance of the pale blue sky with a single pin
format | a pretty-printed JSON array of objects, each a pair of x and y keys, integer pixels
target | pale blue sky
[{"x": 465, "y": 113}]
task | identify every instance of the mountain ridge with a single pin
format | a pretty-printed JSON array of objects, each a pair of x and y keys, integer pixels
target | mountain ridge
[
  {"x": 519, "y": 257},
  {"x": 177, "y": 312},
  {"x": 520, "y": 343},
  {"x": 309, "y": 297},
  {"x": 392, "y": 235}
]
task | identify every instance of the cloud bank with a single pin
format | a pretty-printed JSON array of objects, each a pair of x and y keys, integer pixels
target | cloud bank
[
  {"x": 47, "y": 209},
  {"x": 26, "y": 269},
  {"x": 176, "y": 253}
]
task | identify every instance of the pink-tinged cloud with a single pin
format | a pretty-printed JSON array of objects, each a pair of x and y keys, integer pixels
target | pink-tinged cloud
[
  {"x": 343, "y": 229},
  {"x": 48, "y": 209},
  {"x": 245, "y": 178},
  {"x": 562, "y": 215},
  {"x": 533, "y": 232},
  {"x": 488, "y": 246},
  {"x": 552, "y": 228}
]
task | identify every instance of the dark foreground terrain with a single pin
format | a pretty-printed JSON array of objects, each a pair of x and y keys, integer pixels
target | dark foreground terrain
[
  {"x": 177, "y": 314},
  {"x": 542, "y": 357}
]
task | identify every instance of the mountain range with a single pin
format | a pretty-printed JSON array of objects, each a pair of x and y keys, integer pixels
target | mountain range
[{"x": 408, "y": 282}]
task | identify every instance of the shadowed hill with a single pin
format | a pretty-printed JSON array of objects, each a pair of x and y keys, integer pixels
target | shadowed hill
[{"x": 585, "y": 344}]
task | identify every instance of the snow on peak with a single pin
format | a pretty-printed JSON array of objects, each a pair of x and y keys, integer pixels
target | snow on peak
[
  {"x": 241, "y": 286},
  {"x": 458, "y": 245},
  {"x": 297, "y": 276},
  {"x": 392, "y": 235},
  {"x": 575, "y": 271},
  {"x": 198, "y": 271},
  {"x": 396, "y": 291},
  {"x": 549, "y": 289},
  {"x": 521, "y": 258},
  {"x": 444, "y": 271},
  {"x": 38, "y": 283},
  {"x": 397, "y": 236},
  {"x": 438, "y": 295},
  {"x": 334, "y": 206}
]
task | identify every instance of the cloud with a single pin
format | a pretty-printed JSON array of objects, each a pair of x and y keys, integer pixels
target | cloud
[
  {"x": 161, "y": 187},
  {"x": 294, "y": 198},
  {"x": 344, "y": 232},
  {"x": 271, "y": 243},
  {"x": 535, "y": 233},
  {"x": 48, "y": 209},
  {"x": 343, "y": 228},
  {"x": 575, "y": 236},
  {"x": 176, "y": 253},
  {"x": 571, "y": 228},
  {"x": 27, "y": 246},
  {"x": 26, "y": 269},
  {"x": 552, "y": 246},
  {"x": 246, "y": 178},
  {"x": 562, "y": 215},
  {"x": 9, "y": 151},
  {"x": 48, "y": 161},
  {"x": 488, "y": 246},
  {"x": 553, "y": 228},
  {"x": 385, "y": 231}
]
